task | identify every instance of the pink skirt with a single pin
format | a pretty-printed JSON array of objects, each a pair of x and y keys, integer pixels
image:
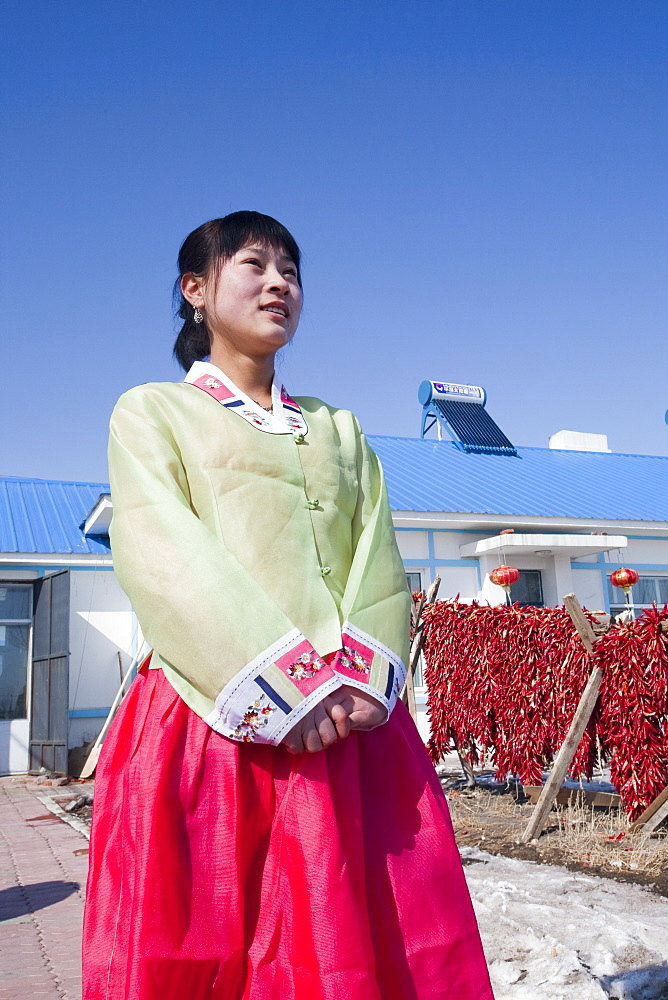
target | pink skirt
[{"x": 233, "y": 871}]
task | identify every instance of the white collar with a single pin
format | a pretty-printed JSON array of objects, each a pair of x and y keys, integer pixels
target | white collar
[{"x": 286, "y": 416}]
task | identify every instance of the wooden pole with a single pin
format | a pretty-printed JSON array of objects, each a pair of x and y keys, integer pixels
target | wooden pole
[
  {"x": 657, "y": 819},
  {"x": 93, "y": 757},
  {"x": 564, "y": 758},
  {"x": 467, "y": 769},
  {"x": 655, "y": 813},
  {"x": 408, "y": 695}
]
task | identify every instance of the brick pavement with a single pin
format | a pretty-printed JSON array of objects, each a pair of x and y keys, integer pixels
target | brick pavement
[{"x": 42, "y": 881}]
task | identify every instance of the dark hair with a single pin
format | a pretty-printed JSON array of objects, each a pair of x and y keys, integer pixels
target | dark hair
[{"x": 204, "y": 251}]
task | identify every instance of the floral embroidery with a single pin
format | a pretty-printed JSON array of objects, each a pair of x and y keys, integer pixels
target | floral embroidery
[
  {"x": 255, "y": 717},
  {"x": 352, "y": 659},
  {"x": 307, "y": 666},
  {"x": 255, "y": 418},
  {"x": 284, "y": 419}
]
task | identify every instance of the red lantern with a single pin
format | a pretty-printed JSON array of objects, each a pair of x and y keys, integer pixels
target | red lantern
[
  {"x": 624, "y": 578},
  {"x": 505, "y": 576}
]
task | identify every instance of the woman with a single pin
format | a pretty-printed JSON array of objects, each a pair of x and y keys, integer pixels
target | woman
[{"x": 267, "y": 823}]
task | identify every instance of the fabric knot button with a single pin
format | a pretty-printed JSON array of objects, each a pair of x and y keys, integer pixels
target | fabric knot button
[
  {"x": 312, "y": 504},
  {"x": 325, "y": 570},
  {"x": 299, "y": 438}
]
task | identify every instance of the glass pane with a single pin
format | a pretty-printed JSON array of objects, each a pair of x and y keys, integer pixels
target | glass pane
[
  {"x": 528, "y": 589},
  {"x": 615, "y": 595},
  {"x": 644, "y": 591},
  {"x": 14, "y": 601},
  {"x": 662, "y": 582},
  {"x": 13, "y": 670},
  {"x": 644, "y": 586},
  {"x": 418, "y": 676}
]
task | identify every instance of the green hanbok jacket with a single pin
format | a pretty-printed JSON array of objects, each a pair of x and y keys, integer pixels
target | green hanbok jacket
[{"x": 257, "y": 549}]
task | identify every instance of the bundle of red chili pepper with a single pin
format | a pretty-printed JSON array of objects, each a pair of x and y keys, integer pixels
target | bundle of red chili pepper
[{"x": 505, "y": 683}]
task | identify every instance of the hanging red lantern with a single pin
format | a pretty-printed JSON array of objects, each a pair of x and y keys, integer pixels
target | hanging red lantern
[
  {"x": 505, "y": 576},
  {"x": 624, "y": 578}
]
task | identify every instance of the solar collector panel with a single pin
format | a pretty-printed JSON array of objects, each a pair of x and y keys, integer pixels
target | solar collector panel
[{"x": 473, "y": 427}]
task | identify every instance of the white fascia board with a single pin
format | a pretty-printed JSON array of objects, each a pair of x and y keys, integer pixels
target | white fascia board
[
  {"x": 490, "y": 522},
  {"x": 53, "y": 559},
  {"x": 98, "y": 520},
  {"x": 568, "y": 545}
]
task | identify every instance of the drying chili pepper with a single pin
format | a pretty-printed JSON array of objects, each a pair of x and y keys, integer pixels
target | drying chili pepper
[{"x": 504, "y": 683}]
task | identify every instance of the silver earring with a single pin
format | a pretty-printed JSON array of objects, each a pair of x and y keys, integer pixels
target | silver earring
[{"x": 197, "y": 316}]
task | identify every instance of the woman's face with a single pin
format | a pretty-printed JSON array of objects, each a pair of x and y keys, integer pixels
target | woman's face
[{"x": 253, "y": 304}]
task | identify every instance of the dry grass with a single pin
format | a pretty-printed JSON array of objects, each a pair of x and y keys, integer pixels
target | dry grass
[
  {"x": 596, "y": 839},
  {"x": 602, "y": 838}
]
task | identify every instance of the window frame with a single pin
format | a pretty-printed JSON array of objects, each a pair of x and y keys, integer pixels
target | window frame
[
  {"x": 29, "y": 622},
  {"x": 620, "y": 605},
  {"x": 531, "y": 604}
]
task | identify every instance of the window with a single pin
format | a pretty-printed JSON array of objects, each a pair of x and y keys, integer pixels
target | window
[
  {"x": 648, "y": 589},
  {"x": 15, "y": 625},
  {"x": 528, "y": 591}
]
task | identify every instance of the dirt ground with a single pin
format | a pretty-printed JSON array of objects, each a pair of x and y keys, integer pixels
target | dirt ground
[{"x": 592, "y": 840}]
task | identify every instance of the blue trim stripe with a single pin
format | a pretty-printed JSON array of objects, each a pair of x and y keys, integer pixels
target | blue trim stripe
[
  {"x": 390, "y": 681},
  {"x": 604, "y": 583},
  {"x": 440, "y": 562},
  {"x": 646, "y": 538},
  {"x": 41, "y": 570},
  {"x": 270, "y": 693},
  {"x": 611, "y": 566},
  {"x": 89, "y": 713},
  {"x": 448, "y": 531},
  {"x": 235, "y": 402}
]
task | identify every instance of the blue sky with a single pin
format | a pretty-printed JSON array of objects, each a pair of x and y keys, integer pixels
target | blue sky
[{"x": 479, "y": 188}]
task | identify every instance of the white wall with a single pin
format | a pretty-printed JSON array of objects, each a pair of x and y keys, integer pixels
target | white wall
[
  {"x": 413, "y": 544},
  {"x": 446, "y": 543},
  {"x": 462, "y": 580},
  {"x": 588, "y": 588},
  {"x": 101, "y": 625},
  {"x": 650, "y": 551}
]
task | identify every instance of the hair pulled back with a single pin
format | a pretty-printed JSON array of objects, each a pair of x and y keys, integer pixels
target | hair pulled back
[{"x": 204, "y": 252}]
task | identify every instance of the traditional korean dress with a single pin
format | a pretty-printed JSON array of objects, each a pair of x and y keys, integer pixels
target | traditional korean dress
[{"x": 259, "y": 554}]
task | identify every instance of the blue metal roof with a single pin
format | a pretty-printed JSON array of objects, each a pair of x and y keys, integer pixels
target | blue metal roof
[
  {"x": 43, "y": 515},
  {"x": 429, "y": 475}
]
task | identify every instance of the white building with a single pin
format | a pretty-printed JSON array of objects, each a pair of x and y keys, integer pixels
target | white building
[{"x": 575, "y": 514}]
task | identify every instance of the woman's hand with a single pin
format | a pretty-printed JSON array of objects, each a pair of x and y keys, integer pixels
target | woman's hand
[
  {"x": 333, "y": 718},
  {"x": 364, "y": 711},
  {"x": 326, "y": 724}
]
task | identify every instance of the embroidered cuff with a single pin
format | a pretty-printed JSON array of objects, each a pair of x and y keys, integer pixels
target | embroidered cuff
[
  {"x": 265, "y": 699},
  {"x": 366, "y": 663}
]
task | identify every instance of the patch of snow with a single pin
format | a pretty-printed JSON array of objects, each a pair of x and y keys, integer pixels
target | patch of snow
[{"x": 553, "y": 934}]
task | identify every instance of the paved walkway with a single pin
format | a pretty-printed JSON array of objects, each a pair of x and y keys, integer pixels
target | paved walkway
[{"x": 43, "y": 864}]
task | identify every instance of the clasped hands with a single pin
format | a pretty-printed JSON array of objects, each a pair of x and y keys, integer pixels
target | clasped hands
[{"x": 333, "y": 718}]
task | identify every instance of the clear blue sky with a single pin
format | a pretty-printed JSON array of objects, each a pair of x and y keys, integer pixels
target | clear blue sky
[{"x": 479, "y": 188}]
